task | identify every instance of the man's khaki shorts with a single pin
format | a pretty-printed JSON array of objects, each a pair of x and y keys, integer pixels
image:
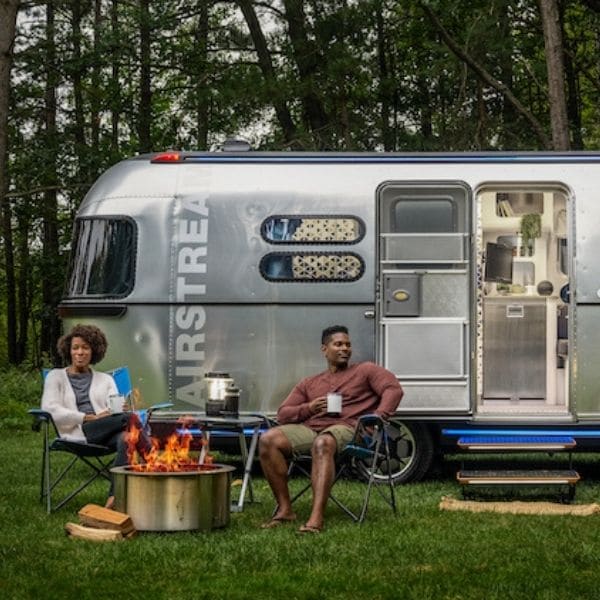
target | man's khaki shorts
[{"x": 302, "y": 437}]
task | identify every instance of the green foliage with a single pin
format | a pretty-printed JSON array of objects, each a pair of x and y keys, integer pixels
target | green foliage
[
  {"x": 20, "y": 390},
  {"x": 380, "y": 74},
  {"x": 531, "y": 227}
]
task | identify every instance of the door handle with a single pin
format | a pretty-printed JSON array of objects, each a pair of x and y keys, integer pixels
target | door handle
[{"x": 369, "y": 314}]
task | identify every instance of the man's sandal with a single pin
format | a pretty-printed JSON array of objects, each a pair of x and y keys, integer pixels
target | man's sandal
[
  {"x": 310, "y": 529},
  {"x": 277, "y": 522}
]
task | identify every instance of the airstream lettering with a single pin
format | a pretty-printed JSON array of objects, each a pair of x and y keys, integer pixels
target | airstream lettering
[
  {"x": 191, "y": 268},
  {"x": 473, "y": 277}
]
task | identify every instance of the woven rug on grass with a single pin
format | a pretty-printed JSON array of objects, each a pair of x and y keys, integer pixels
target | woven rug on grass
[{"x": 520, "y": 508}]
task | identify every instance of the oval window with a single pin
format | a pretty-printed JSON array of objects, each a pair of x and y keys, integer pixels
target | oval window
[
  {"x": 312, "y": 229},
  {"x": 312, "y": 266}
]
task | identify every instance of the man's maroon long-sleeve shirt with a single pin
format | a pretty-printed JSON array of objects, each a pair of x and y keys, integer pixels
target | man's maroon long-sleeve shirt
[{"x": 366, "y": 388}]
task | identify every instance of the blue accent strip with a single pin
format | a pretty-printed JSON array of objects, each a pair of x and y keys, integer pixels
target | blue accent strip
[
  {"x": 516, "y": 439},
  {"x": 576, "y": 433},
  {"x": 217, "y": 432}
]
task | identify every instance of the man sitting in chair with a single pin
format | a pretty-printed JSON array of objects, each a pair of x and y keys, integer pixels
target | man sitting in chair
[{"x": 305, "y": 424}]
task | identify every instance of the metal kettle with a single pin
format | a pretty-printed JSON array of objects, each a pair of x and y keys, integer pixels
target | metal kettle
[{"x": 214, "y": 386}]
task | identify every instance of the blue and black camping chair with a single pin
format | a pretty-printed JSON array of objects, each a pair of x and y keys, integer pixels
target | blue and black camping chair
[
  {"x": 370, "y": 450},
  {"x": 96, "y": 457}
]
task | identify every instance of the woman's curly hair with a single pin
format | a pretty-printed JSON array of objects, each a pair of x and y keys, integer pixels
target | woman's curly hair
[{"x": 92, "y": 336}]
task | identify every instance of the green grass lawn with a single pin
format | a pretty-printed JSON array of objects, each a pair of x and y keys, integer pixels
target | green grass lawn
[{"x": 421, "y": 553}]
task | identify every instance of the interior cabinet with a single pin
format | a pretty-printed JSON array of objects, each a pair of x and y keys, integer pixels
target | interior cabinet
[{"x": 514, "y": 349}]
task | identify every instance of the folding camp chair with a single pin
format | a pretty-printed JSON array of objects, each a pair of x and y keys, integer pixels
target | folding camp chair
[
  {"x": 370, "y": 446},
  {"x": 98, "y": 458}
]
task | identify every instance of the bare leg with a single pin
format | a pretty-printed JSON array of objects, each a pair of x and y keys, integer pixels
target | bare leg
[
  {"x": 322, "y": 476},
  {"x": 274, "y": 449}
]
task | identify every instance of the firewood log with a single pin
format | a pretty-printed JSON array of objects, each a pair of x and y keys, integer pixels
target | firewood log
[
  {"x": 93, "y": 534},
  {"x": 105, "y": 518}
]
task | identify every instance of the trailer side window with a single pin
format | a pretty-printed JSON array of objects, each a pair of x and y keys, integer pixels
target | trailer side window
[
  {"x": 312, "y": 229},
  {"x": 424, "y": 215},
  {"x": 102, "y": 257},
  {"x": 311, "y": 266}
]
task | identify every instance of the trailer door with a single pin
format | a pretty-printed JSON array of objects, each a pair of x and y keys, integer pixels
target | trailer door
[{"x": 424, "y": 279}]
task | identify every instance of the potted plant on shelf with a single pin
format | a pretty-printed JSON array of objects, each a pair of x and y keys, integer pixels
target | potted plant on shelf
[{"x": 531, "y": 228}]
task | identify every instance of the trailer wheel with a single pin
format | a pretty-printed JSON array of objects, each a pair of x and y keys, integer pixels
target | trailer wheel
[{"x": 411, "y": 449}]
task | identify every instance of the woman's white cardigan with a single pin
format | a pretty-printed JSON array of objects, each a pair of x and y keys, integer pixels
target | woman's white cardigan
[{"x": 59, "y": 400}]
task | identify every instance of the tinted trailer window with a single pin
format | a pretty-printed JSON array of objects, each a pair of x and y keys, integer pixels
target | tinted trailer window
[{"x": 102, "y": 258}]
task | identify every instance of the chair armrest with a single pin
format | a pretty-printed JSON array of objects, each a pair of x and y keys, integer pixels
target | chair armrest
[
  {"x": 160, "y": 406},
  {"x": 38, "y": 413},
  {"x": 371, "y": 419},
  {"x": 268, "y": 421},
  {"x": 40, "y": 417}
]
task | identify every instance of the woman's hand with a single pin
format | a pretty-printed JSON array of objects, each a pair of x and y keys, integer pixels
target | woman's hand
[{"x": 92, "y": 417}]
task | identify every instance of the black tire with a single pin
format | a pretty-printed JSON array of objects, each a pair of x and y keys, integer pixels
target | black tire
[{"x": 411, "y": 450}]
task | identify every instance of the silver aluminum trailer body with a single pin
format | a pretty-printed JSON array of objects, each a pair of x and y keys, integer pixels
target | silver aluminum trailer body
[{"x": 236, "y": 261}]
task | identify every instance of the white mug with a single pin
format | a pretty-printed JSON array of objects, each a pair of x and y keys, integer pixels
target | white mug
[
  {"x": 334, "y": 403},
  {"x": 115, "y": 403}
]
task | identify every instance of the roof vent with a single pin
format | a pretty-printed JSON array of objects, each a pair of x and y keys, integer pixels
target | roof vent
[{"x": 233, "y": 145}]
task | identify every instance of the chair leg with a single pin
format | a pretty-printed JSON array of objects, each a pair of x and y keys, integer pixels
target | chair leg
[
  {"x": 363, "y": 512},
  {"x": 45, "y": 489},
  {"x": 99, "y": 470},
  {"x": 305, "y": 473},
  {"x": 388, "y": 464},
  {"x": 389, "y": 471},
  {"x": 337, "y": 502}
]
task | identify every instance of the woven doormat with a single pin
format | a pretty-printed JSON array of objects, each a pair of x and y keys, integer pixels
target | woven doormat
[{"x": 520, "y": 508}]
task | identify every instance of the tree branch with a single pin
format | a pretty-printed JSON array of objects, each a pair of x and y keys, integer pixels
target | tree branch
[{"x": 486, "y": 77}]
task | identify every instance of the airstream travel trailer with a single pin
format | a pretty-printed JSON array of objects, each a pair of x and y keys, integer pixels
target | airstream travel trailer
[{"x": 473, "y": 277}]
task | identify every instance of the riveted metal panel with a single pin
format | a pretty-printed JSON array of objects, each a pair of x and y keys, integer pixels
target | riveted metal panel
[
  {"x": 587, "y": 247},
  {"x": 585, "y": 361},
  {"x": 428, "y": 398}
]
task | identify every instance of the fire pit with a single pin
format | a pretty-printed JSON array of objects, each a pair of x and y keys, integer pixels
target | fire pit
[{"x": 195, "y": 497}]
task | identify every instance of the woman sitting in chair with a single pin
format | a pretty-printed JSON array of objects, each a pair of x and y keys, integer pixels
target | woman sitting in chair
[{"x": 77, "y": 397}]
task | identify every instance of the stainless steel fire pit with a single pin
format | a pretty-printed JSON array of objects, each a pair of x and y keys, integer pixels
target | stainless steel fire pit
[{"x": 195, "y": 498}]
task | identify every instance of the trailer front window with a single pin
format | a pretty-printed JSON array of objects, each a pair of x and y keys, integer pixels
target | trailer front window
[{"x": 102, "y": 257}]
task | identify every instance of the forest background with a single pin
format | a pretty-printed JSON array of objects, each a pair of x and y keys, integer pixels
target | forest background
[{"x": 85, "y": 83}]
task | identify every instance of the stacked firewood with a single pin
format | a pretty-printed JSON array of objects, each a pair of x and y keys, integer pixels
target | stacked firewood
[{"x": 101, "y": 525}]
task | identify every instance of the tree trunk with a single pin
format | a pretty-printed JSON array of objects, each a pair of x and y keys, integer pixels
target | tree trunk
[
  {"x": 8, "y": 21},
  {"x": 307, "y": 59},
  {"x": 95, "y": 92},
  {"x": 509, "y": 115},
  {"x": 77, "y": 77},
  {"x": 24, "y": 281},
  {"x": 50, "y": 326},
  {"x": 266, "y": 66},
  {"x": 201, "y": 68},
  {"x": 385, "y": 83},
  {"x": 145, "y": 105},
  {"x": 115, "y": 96},
  {"x": 556, "y": 73}
]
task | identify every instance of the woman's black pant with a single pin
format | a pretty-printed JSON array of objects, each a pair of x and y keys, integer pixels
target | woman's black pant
[{"x": 110, "y": 431}]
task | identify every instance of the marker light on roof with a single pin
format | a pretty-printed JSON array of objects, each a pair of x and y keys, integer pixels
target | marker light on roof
[{"x": 167, "y": 157}]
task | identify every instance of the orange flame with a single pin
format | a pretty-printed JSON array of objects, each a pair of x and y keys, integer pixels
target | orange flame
[{"x": 175, "y": 455}]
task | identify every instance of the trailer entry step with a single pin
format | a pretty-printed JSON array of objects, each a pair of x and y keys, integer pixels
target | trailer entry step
[
  {"x": 518, "y": 477},
  {"x": 520, "y": 443}
]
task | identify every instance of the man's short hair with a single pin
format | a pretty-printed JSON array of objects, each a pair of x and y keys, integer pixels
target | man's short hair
[{"x": 329, "y": 331}]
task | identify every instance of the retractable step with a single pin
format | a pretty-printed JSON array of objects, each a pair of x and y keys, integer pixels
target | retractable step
[
  {"x": 561, "y": 478},
  {"x": 518, "y": 477},
  {"x": 516, "y": 443}
]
